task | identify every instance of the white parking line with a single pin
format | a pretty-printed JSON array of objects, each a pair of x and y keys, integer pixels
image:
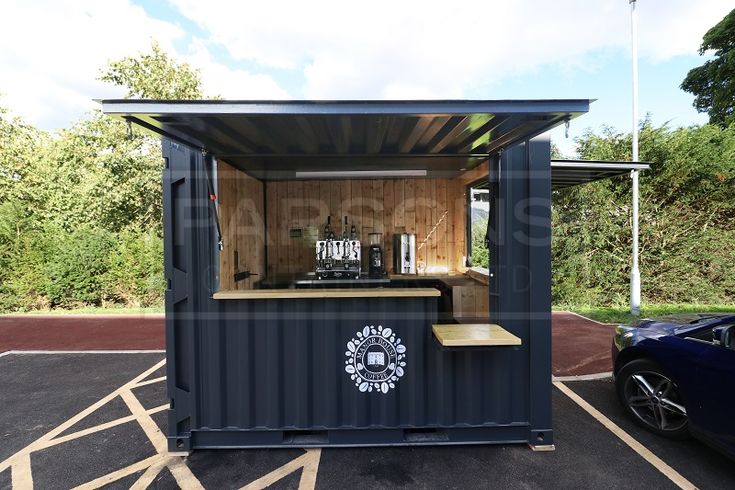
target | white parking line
[
  {"x": 639, "y": 448},
  {"x": 583, "y": 377},
  {"x": 27, "y": 352}
]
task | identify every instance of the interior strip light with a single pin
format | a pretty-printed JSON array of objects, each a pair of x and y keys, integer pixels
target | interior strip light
[{"x": 345, "y": 174}]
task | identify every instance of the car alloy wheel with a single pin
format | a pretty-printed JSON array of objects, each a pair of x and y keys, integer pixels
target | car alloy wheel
[{"x": 654, "y": 399}]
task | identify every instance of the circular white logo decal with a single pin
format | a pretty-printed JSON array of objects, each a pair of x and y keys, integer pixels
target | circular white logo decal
[{"x": 375, "y": 359}]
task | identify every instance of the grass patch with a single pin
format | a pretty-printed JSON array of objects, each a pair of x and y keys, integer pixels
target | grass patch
[
  {"x": 92, "y": 310},
  {"x": 621, "y": 314}
]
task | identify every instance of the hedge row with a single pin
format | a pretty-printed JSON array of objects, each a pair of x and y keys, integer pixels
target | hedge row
[{"x": 52, "y": 268}]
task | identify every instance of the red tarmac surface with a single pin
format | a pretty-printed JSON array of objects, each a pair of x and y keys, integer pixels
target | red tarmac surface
[
  {"x": 81, "y": 332},
  {"x": 579, "y": 346}
]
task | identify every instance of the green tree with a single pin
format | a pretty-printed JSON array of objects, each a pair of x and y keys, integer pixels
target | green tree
[
  {"x": 103, "y": 179},
  {"x": 154, "y": 75},
  {"x": 23, "y": 151},
  {"x": 106, "y": 174},
  {"x": 713, "y": 83},
  {"x": 687, "y": 220},
  {"x": 80, "y": 212},
  {"x": 22, "y": 148}
]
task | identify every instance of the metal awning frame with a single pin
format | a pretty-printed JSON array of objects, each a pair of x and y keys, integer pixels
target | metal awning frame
[
  {"x": 570, "y": 173},
  {"x": 269, "y": 139}
]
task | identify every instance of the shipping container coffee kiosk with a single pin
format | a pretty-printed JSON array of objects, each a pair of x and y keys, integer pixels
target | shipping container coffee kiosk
[{"x": 263, "y": 353}]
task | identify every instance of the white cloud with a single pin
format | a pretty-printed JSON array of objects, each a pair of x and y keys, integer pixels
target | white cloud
[
  {"x": 437, "y": 48},
  {"x": 219, "y": 79},
  {"x": 53, "y": 50}
]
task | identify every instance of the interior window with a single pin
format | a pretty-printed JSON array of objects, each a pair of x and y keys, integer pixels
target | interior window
[{"x": 478, "y": 215}]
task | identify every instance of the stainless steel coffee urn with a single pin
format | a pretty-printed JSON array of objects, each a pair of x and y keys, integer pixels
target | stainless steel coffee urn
[{"x": 404, "y": 253}]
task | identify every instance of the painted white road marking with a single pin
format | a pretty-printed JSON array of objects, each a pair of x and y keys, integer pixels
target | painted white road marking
[
  {"x": 21, "y": 475},
  {"x": 29, "y": 352},
  {"x": 43, "y": 441},
  {"x": 150, "y": 382},
  {"x": 121, "y": 473},
  {"x": 639, "y": 448},
  {"x": 583, "y": 377},
  {"x": 20, "y": 462},
  {"x": 309, "y": 462}
]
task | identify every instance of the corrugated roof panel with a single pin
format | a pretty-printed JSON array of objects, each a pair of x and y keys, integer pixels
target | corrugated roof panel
[
  {"x": 274, "y": 139},
  {"x": 569, "y": 173}
]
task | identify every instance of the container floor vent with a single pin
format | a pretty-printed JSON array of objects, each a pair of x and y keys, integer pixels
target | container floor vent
[
  {"x": 425, "y": 435},
  {"x": 305, "y": 437}
]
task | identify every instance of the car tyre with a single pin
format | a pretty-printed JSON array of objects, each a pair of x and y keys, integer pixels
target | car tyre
[{"x": 652, "y": 398}]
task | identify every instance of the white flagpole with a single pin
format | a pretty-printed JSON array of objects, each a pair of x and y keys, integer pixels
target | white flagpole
[{"x": 635, "y": 275}]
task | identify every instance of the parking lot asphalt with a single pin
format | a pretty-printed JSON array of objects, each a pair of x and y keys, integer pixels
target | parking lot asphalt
[
  {"x": 698, "y": 463},
  {"x": 119, "y": 443}
]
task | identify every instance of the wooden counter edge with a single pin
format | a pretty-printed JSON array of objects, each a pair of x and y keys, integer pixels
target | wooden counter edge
[
  {"x": 327, "y": 293},
  {"x": 473, "y": 335},
  {"x": 479, "y": 274}
]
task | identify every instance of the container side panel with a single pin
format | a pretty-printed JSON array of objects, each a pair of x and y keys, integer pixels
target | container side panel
[
  {"x": 539, "y": 237},
  {"x": 181, "y": 194},
  {"x": 520, "y": 263},
  {"x": 286, "y": 366}
]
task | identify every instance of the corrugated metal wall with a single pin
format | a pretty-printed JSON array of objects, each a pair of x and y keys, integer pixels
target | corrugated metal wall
[{"x": 279, "y": 364}]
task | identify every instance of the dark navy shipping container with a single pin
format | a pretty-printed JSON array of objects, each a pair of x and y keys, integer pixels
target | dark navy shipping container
[{"x": 258, "y": 356}]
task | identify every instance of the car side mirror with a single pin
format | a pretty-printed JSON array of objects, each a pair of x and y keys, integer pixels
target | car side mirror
[{"x": 724, "y": 336}]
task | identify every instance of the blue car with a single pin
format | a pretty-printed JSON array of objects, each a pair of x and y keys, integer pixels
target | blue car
[{"x": 676, "y": 376}]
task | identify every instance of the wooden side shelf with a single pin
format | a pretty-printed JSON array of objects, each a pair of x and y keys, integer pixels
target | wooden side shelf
[{"x": 474, "y": 335}]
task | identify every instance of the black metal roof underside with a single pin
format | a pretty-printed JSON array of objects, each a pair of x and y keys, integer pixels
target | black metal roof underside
[
  {"x": 568, "y": 173},
  {"x": 275, "y": 139}
]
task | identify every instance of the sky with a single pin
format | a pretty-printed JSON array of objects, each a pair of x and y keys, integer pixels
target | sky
[{"x": 53, "y": 51}]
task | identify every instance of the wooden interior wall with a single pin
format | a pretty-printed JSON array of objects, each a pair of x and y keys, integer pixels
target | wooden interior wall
[
  {"x": 240, "y": 199},
  {"x": 434, "y": 209},
  {"x": 470, "y": 302}
]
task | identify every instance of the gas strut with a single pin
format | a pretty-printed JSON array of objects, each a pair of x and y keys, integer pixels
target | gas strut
[{"x": 212, "y": 197}]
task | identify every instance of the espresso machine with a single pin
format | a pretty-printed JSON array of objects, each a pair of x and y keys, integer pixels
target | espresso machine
[
  {"x": 404, "y": 253},
  {"x": 338, "y": 257}
]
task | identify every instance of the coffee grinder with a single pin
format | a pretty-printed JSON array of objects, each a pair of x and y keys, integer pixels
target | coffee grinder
[{"x": 375, "y": 256}]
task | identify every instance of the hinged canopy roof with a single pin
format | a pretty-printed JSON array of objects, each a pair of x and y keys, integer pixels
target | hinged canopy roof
[
  {"x": 278, "y": 139},
  {"x": 568, "y": 173}
]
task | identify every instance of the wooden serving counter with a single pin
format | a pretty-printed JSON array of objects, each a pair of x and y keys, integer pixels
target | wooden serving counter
[{"x": 322, "y": 293}]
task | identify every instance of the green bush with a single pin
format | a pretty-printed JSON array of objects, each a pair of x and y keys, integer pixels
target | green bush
[
  {"x": 24, "y": 282},
  {"x": 135, "y": 269},
  {"x": 23, "y": 249},
  {"x": 76, "y": 266}
]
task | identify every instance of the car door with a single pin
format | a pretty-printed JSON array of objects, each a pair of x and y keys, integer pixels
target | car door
[{"x": 715, "y": 395}]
